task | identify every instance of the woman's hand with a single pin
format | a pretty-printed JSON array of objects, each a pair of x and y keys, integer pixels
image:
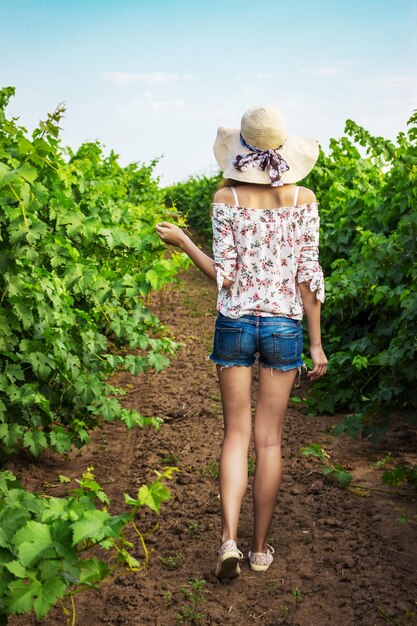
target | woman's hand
[
  {"x": 319, "y": 362},
  {"x": 169, "y": 233}
]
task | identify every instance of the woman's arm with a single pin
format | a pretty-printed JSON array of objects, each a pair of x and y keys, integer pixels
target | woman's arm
[
  {"x": 172, "y": 234},
  {"x": 311, "y": 284},
  {"x": 312, "y": 308}
]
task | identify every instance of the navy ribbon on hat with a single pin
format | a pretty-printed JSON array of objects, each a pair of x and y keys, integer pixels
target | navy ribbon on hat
[{"x": 269, "y": 160}]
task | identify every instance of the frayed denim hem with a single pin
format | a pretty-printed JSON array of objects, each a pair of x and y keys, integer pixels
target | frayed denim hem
[
  {"x": 281, "y": 367},
  {"x": 224, "y": 364},
  {"x": 286, "y": 368}
]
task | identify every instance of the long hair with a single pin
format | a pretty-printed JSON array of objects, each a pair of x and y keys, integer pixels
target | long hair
[{"x": 229, "y": 182}]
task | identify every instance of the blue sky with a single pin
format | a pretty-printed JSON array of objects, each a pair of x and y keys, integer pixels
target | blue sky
[{"x": 157, "y": 78}]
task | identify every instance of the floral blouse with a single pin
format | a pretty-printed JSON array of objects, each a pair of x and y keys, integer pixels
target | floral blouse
[{"x": 266, "y": 253}]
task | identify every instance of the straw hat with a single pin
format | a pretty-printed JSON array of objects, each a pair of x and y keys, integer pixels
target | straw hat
[{"x": 262, "y": 151}]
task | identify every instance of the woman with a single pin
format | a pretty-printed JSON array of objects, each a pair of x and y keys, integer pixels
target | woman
[{"x": 265, "y": 247}]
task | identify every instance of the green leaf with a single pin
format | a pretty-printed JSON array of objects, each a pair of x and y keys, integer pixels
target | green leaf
[
  {"x": 339, "y": 474},
  {"x": 167, "y": 473},
  {"x": 60, "y": 440},
  {"x": 73, "y": 223},
  {"x": 35, "y": 440},
  {"x": 315, "y": 449},
  {"x": 7, "y": 479},
  {"x": 3, "y": 170},
  {"x": 54, "y": 508},
  {"x": 395, "y": 475},
  {"x": 10, "y": 520},
  {"x": 22, "y": 595},
  {"x": 154, "y": 495},
  {"x": 132, "y": 419},
  {"x": 42, "y": 364},
  {"x": 152, "y": 278},
  {"x": 10, "y": 434},
  {"x": 34, "y": 541},
  {"x": 3, "y": 539},
  {"x": 14, "y": 372},
  {"x": 129, "y": 560},
  {"x": 17, "y": 569},
  {"x": 157, "y": 361},
  {"x": 40, "y": 596},
  {"x": 93, "y": 571},
  {"x": 11, "y": 177},
  {"x": 351, "y": 424},
  {"x": 27, "y": 172},
  {"x": 360, "y": 362},
  {"x": 92, "y": 526}
]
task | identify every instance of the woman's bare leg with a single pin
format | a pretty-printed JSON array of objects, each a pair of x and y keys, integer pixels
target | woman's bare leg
[
  {"x": 235, "y": 387},
  {"x": 271, "y": 406}
]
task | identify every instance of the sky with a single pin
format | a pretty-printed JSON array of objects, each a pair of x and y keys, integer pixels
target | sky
[{"x": 155, "y": 79}]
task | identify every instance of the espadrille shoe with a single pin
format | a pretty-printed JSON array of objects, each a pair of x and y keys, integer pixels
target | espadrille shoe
[
  {"x": 261, "y": 561},
  {"x": 228, "y": 558}
]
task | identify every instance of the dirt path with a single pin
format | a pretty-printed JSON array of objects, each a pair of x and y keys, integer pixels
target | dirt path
[{"x": 340, "y": 556}]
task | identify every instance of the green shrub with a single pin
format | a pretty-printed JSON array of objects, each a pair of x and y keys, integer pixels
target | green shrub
[
  {"x": 79, "y": 257},
  {"x": 193, "y": 199},
  {"x": 368, "y": 252},
  {"x": 45, "y": 542}
]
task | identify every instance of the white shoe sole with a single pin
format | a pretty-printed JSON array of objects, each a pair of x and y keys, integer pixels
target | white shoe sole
[
  {"x": 228, "y": 565},
  {"x": 260, "y": 568}
]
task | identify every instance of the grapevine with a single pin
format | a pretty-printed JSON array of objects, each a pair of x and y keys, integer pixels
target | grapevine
[{"x": 79, "y": 259}]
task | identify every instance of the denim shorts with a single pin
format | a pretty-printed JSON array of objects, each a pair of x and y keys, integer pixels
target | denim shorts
[{"x": 276, "y": 342}]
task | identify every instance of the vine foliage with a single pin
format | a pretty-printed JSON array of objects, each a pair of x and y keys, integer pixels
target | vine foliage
[
  {"x": 193, "y": 199},
  {"x": 46, "y": 542},
  {"x": 79, "y": 257},
  {"x": 368, "y": 198}
]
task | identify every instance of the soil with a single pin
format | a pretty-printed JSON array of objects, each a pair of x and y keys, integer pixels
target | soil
[{"x": 340, "y": 555}]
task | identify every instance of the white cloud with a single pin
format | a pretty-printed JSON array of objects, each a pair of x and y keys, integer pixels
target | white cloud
[
  {"x": 152, "y": 101},
  {"x": 149, "y": 100},
  {"x": 125, "y": 79}
]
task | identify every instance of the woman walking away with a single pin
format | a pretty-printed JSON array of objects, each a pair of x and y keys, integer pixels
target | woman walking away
[{"x": 265, "y": 248}]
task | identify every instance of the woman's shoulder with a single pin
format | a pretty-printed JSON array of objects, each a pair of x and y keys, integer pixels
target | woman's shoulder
[
  {"x": 224, "y": 196},
  {"x": 280, "y": 204},
  {"x": 306, "y": 196}
]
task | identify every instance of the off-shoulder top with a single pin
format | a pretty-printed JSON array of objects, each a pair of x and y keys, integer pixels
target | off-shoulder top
[{"x": 266, "y": 253}]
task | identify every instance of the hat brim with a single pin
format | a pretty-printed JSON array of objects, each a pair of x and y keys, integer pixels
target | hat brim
[{"x": 300, "y": 154}]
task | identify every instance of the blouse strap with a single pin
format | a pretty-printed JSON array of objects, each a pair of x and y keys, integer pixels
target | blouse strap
[
  {"x": 235, "y": 195},
  {"x": 297, "y": 191}
]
